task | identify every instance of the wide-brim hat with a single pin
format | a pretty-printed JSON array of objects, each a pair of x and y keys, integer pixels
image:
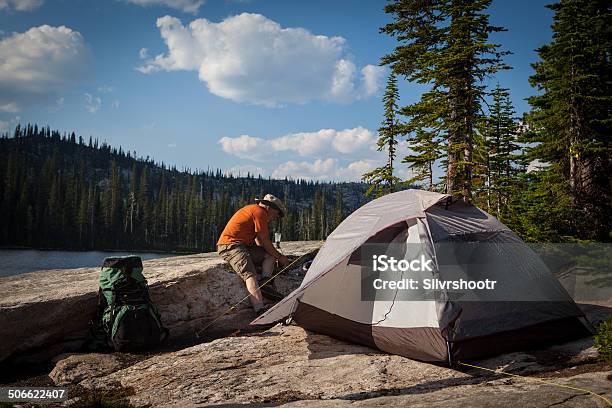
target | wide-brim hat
[{"x": 273, "y": 202}]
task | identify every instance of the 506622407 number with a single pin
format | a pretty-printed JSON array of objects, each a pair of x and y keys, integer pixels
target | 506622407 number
[{"x": 14, "y": 394}]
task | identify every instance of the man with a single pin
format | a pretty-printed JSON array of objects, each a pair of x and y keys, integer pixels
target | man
[{"x": 245, "y": 243}]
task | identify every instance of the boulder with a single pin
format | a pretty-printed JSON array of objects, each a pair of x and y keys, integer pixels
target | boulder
[
  {"x": 268, "y": 367},
  {"x": 47, "y": 312},
  {"x": 75, "y": 368},
  {"x": 524, "y": 393},
  {"x": 288, "y": 363}
]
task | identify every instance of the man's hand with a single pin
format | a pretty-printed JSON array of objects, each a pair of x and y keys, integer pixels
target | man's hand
[
  {"x": 283, "y": 261},
  {"x": 263, "y": 240}
]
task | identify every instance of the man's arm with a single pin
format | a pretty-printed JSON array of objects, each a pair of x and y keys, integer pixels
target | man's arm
[{"x": 263, "y": 240}]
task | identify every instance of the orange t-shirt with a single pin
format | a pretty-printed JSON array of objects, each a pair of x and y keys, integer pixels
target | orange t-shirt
[{"x": 244, "y": 225}]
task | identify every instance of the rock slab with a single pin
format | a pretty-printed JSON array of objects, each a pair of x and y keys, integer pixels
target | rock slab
[
  {"x": 47, "y": 313},
  {"x": 287, "y": 364}
]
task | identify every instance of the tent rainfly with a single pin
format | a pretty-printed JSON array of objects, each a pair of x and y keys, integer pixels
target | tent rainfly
[{"x": 531, "y": 309}]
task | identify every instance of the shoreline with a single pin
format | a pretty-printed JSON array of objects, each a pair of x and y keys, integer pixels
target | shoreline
[{"x": 136, "y": 251}]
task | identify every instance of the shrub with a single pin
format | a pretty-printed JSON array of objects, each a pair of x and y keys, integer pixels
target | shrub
[{"x": 603, "y": 340}]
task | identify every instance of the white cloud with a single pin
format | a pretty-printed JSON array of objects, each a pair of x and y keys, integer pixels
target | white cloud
[
  {"x": 355, "y": 170},
  {"x": 243, "y": 170},
  {"x": 305, "y": 144},
  {"x": 187, "y": 6},
  {"x": 59, "y": 104},
  {"x": 325, "y": 169},
  {"x": 143, "y": 53},
  {"x": 345, "y": 141},
  {"x": 317, "y": 170},
  {"x": 324, "y": 155},
  {"x": 106, "y": 89},
  {"x": 250, "y": 58},
  {"x": 10, "y": 107},
  {"x": 372, "y": 79},
  {"x": 20, "y": 5},
  {"x": 351, "y": 140},
  {"x": 146, "y": 69},
  {"x": 40, "y": 62},
  {"x": 342, "y": 81},
  {"x": 115, "y": 104},
  {"x": 244, "y": 147},
  {"x": 92, "y": 104},
  {"x": 7, "y": 125}
]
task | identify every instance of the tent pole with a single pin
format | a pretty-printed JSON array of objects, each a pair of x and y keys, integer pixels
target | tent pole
[{"x": 448, "y": 352}]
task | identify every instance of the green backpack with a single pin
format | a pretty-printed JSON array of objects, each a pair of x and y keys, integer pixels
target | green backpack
[{"x": 127, "y": 319}]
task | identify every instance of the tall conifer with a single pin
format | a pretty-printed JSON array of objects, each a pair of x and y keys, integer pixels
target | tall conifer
[
  {"x": 382, "y": 179},
  {"x": 443, "y": 44},
  {"x": 571, "y": 117}
]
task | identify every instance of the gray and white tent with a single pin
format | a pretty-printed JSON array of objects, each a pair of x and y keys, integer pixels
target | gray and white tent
[{"x": 530, "y": 309}]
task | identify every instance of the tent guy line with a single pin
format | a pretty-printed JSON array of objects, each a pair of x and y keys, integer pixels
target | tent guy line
[
  {"x": 538, "y": 380},
  {"x": 235, "y": 305}
]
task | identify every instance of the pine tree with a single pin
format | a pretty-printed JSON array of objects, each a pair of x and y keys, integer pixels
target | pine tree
[
  {"x": 116, "y": 205},
  {"x": 571, "y": 120},
  {"x": 132, "y": 204},
  {"x": 82, "y": 218},
  {"x": 337, "y": 215},
  {"x": 315, "y": 225},
  {"x": 381, "y": 179},
  {"x": 500, "y": 145},
  {"x": 95, "y": 216},
  {"x": 162, "y": 213},
  {"x": 144, "y": 205},
  {"x": 427, "y": 148},
  {"x": 69, "y": 210},
  {"x": 30, "y": 226},
  {"x": 54, "y": 211},
  {"x": 22, "y": 213},
  {"x": 322, "y": 218},
  {"x": 444, "y": 45},
  {"x": 9, "y": 201},
  {"x": 192, "y": 214}
]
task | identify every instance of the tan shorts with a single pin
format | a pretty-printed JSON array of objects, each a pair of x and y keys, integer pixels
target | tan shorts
[{"x": 242, "y": 258}]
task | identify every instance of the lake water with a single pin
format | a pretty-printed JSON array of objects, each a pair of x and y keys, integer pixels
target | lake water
[{"x": 18, "y": 261}]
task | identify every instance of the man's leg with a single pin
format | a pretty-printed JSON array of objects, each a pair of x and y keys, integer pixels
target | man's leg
[
  {"x": 254, "y": 293},
  {"x": 267, "y": 262},
  {"x": 267, "y": 266},
  {"x": 240, "y": 260},
  {"x": 261, "y": 258}
]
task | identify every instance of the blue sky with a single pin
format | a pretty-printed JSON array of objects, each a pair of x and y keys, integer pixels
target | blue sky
[{"x": 283, "y": 88}]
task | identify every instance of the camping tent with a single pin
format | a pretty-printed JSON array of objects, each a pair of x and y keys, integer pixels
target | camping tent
[{"x": 528, "y": 308}]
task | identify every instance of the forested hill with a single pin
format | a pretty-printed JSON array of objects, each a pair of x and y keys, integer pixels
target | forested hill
[{"x": 61, "y": 191}]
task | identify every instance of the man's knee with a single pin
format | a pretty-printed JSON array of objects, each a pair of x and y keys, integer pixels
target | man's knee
[
  {"x": 267, "y": 266},
  {"x": 239, "y": 259},
  {"x": 258, "y": 254}
]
